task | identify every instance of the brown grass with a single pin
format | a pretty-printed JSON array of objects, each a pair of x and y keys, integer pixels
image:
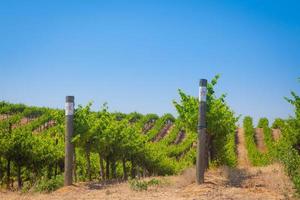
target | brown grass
[{"x": 221, "y": 183}]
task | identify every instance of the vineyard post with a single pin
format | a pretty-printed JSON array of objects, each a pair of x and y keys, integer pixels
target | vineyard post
[
  {"x": 69, "y": 148},
  {"x": 202, "y": 137}
]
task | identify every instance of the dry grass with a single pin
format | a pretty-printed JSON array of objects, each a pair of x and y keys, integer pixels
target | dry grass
[
  {"x": 243, "y": 160},
  {"x": 221, "y": 183}
]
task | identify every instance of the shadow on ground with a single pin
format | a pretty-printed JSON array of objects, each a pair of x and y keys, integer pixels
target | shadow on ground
[
  {"x": 103, "y": 184},
  {"x": 236, "y": 177}
]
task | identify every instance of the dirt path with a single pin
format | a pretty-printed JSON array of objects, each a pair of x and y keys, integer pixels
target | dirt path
[
  {"x": 243, "y": 161},
  {"x": 249, "y": 184},
  {"x": 276, "y": 133}
]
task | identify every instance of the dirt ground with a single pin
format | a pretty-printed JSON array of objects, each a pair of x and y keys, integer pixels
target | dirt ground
[
  {"x": 222, "y": 183},
  {"x": 243, "y": 161},
  {"x": 244, "y": 182},
  {"x": 259, "y": 138}
]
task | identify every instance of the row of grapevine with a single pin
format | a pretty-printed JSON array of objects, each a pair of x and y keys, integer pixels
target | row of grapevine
[
  {"x": 256, "y": 157},
  {"x": 171, "y": 137},
  {"x": 111, "y": 145},
  {"x": 23, "y": 155},
  {"x": 221, "y": 124},
  {"x": 285, "y": 150},
  {"x": 159, "y": 125},
  {"x": 268, "y": 138},
  {"x": 282, "y": 149},
  {"x": 86, "y": 142}
]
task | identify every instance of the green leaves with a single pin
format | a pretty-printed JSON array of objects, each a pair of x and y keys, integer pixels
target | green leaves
[
  {"x": 263, "y": 122},
  {"x": 285, "y": 148},
  {"x": 220, "y": 121},
  {"x": 257, "y": 158},
  {"x": 187, "y": 110},
  {"x": 278, "y": 123},
  {"x": 159, "y": 125},
  {"x": 118, "y": 136}
]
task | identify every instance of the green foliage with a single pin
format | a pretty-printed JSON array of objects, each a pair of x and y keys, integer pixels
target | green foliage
[
  {"x": 221, "y": 126},
  {"x": 230, "y": 157},
  {"x": 148, "y": 118},
  {"x": 172, "y": 135},
  {"x": 8, "y": 108},
  {"x": 29, "y": 153},
  {"x": 111, "y": 145},
  {"x": 156, "y": 160},
  {"x": 154, "y": 182},
  {"x": 134, "y": 117},
  {"x": 285, "y": 151},
  {"x": 257, "y": 158},
  {"x": 49, "y": 185},
  {"x": 268, "y": 139},
  {"x": 118, "y": 138},
  {"x": 291, "y": 161},
  {"x": 177, "y": 150},
  {"x": 187, "y": 110},
  {"x": 140, "y": 185},
  {"x": 220, "y": 122},
  {"x": 278, "y": 123},
  {"x": 187, "y": 160},
  {"x": 159, "y": 124},
  {"x": 263, "y": 122}
]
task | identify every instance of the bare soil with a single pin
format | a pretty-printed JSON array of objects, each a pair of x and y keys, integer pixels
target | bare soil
[
  {"x": 259, "y": 139},
  {"x": 222, "y": 183},
  {"x": 44, "y": 126},
  {"x": 276, "y": 133},
  {"x": 242, "y": 153},
  {"x": 23, "y": 121}
]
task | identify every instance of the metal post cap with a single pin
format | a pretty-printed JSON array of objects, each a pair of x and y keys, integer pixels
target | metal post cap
[
  {"x": 203, "y": 82},
  {"x": 69, "y": 98}
]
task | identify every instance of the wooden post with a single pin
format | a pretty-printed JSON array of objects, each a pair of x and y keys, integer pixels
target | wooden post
[
  {"x": 69, "y": 147},
  {"x": 202, "y": 137}
]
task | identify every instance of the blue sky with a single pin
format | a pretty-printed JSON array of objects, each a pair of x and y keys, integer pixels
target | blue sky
[{"x": 136, "y": 54}]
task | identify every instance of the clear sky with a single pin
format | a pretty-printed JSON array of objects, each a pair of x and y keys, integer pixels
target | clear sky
[{"x": 136, "y": 54}]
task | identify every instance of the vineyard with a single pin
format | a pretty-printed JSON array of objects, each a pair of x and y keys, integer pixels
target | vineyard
[{"x": 114, "y": 146}]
